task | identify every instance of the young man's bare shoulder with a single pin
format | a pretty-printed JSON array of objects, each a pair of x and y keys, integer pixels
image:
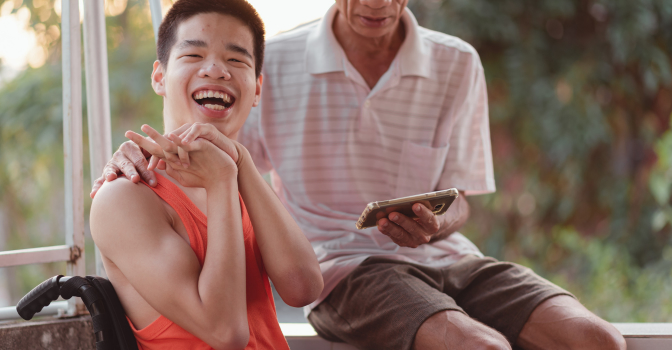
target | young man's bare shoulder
[
  {"x": 121, "y": 207},
  {"x": 122, "y": 191}
]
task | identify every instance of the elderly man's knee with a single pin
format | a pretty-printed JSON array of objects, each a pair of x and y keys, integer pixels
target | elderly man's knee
[
  {"x": 603, "y": 335},
  {"x": 455, "y": 330},
  {"x": 489, "y": 343},
  {"x": 594, "y": 333},
  {"x": 564, "y": 323}
]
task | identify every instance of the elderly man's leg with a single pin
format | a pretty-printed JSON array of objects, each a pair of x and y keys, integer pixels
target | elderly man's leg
[
  {"x": 389, "y": 304},
  {"x": 562, "y": 322},
  {"x": 455, "y": 330},
  {"x": 528, "y": 310}
]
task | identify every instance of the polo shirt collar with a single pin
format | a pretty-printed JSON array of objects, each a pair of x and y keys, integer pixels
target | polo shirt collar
[
  {"x": 415, "y": 57},
  {"x": 324, "y": 54}
]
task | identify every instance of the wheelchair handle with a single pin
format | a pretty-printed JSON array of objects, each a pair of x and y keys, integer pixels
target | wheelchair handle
[{"x": 39, "y": 297}]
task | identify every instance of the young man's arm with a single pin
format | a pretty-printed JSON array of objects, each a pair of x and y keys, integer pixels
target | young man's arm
[
  {"x": 288, "y": 256},
  {"x": 210, "y": 302}
]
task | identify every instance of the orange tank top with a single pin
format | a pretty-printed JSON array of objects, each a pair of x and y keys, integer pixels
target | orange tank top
[{"x": 265, "y": 331}]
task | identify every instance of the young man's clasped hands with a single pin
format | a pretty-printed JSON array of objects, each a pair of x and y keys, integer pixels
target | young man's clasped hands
[{"x": 194, "y": 154}]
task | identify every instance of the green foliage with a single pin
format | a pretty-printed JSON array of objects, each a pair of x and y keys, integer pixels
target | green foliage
[
  {"x": 31, "y": 134},
  {"x": 580, "y": 101},
  {"x": 660, "y": 182},
  {"x": 32, "y": 153}
]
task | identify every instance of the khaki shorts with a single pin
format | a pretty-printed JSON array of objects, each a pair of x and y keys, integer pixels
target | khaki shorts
[{"x": 383, "y": 302}]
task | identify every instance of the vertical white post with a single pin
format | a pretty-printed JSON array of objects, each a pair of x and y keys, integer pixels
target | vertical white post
[
  {"x": 97, "y": 94},
  {"x": 72, "y": 142},
  {"x": 157, "y": 16}
]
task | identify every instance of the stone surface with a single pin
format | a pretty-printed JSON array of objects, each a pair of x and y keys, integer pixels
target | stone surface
[
  {"x": 64, "y": 334},
  {"x": 77, "y": 334}
]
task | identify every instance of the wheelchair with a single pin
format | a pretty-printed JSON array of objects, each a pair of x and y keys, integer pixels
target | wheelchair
[{"x": 111, "y": 329}]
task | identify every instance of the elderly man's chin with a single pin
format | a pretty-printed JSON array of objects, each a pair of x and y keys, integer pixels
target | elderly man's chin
[{"x": 373, "y": 28}]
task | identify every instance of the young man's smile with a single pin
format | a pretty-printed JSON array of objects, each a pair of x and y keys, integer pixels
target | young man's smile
[{"x": 214, "y": 101}]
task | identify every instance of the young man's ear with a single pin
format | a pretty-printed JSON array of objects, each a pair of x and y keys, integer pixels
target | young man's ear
[
  {"x": 257, "y": 92},
  {"x": 158, "y": 81}
]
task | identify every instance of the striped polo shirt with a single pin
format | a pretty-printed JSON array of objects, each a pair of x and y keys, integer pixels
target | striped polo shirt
[{"x": 333, "y": 145}]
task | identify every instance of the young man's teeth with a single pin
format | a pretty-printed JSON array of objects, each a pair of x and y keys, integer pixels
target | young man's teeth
[
  {"x": 212, "y": 94},
  {"x": 215, "y": 107}
]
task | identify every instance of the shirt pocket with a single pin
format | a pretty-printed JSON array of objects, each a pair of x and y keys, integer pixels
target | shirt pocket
[{"x": 420, "y": 168}]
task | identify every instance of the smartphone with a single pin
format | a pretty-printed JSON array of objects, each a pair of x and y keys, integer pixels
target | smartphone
[{"x": 438, "y": 202}]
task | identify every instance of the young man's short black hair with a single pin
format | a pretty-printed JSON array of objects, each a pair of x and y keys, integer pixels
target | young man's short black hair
[{"x": 185, "y": 9}]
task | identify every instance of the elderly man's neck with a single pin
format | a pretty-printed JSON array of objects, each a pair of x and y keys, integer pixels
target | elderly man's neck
[{"x": 370, "y": 56}]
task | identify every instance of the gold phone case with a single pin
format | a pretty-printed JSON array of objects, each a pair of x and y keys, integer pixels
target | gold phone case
[{"x": 438, "y": 202}]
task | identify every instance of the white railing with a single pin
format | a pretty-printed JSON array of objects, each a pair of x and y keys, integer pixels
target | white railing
[
  {"x": 100, "y": 144},
  {"x": 97, "y": 95}
]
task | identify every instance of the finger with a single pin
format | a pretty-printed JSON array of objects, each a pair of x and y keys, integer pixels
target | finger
[
  {"x": 110, "y": 171},
  {"x": 147, "y": 144},
  {"x": 145, "y": 152},
  {"x": 181, "y": 152},
  {"x": 184, "y": 156},
  {"x": 182, "y": 129},
  {"x": 172, "y": 158},
  {"x": 112, "y": 174},
  {"x": 141, "y": 166},
  {"x": 161, "y": 140},
  {"x": 123, "y": 163},
  {"x": 169, "y": 149},
  {"x": 161, "y": 165},
  {"x": 417, "y": 232},
  {"x": 426, "y": 218},
  {"x": 197, "y": 130},
  {"x": 153, "y": 163},
  {"x": 96, "y": 186},
  {"x": 210, "y": 133},
  {"x": 128, "y": 169},
  {"x": 396, "y": 233}
]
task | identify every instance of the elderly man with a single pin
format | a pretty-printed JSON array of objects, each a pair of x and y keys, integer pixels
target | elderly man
[{"x": 366, "y": 105}]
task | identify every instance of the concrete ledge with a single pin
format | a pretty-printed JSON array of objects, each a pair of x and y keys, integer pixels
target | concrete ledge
[
  {"x": 77, "y": 334},
  {"x": 65, "y": 334}
]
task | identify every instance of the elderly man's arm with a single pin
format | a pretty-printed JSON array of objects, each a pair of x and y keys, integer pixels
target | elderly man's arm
[{"x": 427, "y": 228}]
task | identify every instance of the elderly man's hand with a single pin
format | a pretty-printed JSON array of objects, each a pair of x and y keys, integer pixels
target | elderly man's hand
[
  {"x": 427, "y": 227},
  {"x": 130, "y": 160},
  {"x": 410, "y": 232}
]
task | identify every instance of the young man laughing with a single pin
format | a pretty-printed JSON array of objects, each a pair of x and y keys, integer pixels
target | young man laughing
[{"x": 188, "y": 280}]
